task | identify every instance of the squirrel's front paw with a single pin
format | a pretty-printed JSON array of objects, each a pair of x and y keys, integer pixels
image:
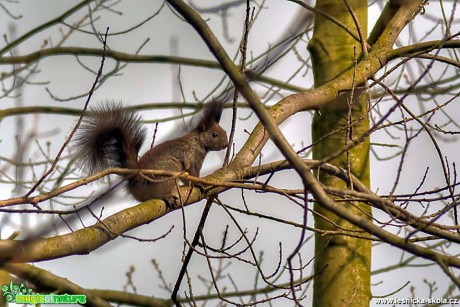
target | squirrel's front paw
[{"x": 173, "y": 202}]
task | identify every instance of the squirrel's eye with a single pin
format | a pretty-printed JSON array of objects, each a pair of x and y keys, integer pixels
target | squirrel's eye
[{"x": 214, "y": 134}]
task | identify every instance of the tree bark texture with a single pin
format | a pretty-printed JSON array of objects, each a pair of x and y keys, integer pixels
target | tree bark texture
[{"x": 342, "y": 262}]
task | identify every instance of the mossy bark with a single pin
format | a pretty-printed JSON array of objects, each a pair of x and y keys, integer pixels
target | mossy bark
[{"x": 342, "y": 262}]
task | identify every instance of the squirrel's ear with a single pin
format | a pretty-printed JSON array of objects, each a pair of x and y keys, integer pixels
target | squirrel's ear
[
  {"x": 212, "y": 114},
  {"x": 213, "y": 111}
]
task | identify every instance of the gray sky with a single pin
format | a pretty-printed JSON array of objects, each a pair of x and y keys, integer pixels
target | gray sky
[{"x": 142, "y": 83}]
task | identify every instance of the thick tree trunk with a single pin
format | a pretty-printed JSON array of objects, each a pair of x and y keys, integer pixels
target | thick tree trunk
[{"x": 342, "y": 262}]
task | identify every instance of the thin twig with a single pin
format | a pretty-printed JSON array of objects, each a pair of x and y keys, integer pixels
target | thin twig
[
  {"x": 188, "y": 257},
  {"x": 74, "y": 130}
]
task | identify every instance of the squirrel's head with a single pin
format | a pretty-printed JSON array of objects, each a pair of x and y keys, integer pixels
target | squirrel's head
[{"x": 212, "y": 135}]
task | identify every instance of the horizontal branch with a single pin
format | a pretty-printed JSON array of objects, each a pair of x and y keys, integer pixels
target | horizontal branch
[
  {"x": 423, "y": 47},
  {"x": 94, "y": 236},
  {"x": 110, "y": 54},
  {"x": 136, "y": 58},
  {"x": 76, "y": 112}
]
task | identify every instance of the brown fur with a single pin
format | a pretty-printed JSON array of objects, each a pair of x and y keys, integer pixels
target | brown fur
[{"x": 113, "y": 141}]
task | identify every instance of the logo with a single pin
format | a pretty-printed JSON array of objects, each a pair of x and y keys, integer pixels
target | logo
[{"x": 20, "y": 294}]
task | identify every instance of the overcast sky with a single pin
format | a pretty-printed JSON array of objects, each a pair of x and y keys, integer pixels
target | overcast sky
[{"x": 143, "y": 83}]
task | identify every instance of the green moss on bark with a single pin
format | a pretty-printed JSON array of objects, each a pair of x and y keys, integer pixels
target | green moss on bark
[{"x": 344, "y": 261}]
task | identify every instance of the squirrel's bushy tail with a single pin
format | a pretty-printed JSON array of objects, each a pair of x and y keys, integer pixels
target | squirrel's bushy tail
[{"x": 109, "y": 136}]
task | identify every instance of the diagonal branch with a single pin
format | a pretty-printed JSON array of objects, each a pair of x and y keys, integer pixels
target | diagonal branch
[
  {"x": 44, "y": 26},
  {"x": 377, "y": 58},
  {"x": 52, "y": 282}
]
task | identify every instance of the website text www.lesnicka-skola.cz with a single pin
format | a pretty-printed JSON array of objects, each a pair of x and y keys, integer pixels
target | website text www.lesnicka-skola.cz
[{"x": 412, "y": 301}]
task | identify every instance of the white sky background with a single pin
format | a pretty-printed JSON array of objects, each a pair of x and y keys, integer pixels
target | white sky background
[{"x": 142, "y": 83}]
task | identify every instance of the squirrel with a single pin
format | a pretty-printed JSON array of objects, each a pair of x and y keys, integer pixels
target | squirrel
[{"x": 111, "y": 136}]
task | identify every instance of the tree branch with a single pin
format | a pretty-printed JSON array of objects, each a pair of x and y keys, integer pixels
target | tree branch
[
  {"x": 377, "y": 58},
  {"x": 45, "y": 280}
]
